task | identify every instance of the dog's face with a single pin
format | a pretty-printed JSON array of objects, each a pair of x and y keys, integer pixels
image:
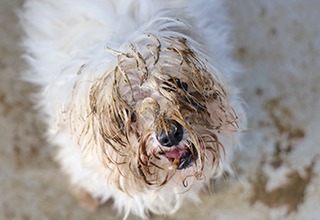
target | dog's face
[{"x": 157, "y": 114}]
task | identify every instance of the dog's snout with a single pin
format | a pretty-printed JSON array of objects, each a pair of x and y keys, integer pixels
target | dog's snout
[{"x": 172, "y": 135}]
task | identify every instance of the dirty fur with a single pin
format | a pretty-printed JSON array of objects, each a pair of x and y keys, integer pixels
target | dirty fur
[{"x": 115, "y": 74}]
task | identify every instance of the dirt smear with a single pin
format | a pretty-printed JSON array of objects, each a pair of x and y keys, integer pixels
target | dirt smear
[
  {"x": 282, "y": 118},
  {"x": 290, "y": 195}
]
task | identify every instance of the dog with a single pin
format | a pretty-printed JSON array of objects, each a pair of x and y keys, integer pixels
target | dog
[{"x": 137, "y": 95}]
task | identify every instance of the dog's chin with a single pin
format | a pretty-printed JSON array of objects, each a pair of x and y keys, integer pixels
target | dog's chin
[{"x": 181, "y": 158}]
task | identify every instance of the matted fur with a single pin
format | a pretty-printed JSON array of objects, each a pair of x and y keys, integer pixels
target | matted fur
[{"x": 114, "y": 75}]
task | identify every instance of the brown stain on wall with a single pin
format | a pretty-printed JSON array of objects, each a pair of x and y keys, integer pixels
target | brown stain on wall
[
  {"x": 241, "y": 53},
  {"x": 273, "y": 31},
  {"x": 290, "y": 195},
  {"x": 282, "y": 118},
  {"x": 276, "y": 159},
  {"x": 17, "y": 109},
  {"x": 279, "y": 153}
]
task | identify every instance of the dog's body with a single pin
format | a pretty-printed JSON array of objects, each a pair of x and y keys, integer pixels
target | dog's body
[{"x": 137, "y": 94}]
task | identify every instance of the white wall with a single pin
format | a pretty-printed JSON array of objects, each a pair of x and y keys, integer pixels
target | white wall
[{"x": 277, "y": 170}]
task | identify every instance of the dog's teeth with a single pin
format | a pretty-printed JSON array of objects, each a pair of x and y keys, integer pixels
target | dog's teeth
[
  {"x": 173, "y": 167},
  {"x": 175, "y": 164}
]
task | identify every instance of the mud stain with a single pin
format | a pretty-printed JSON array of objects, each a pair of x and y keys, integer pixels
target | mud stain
[
  {"x": 273, "y": 31},
  {"x": 282, "y": 118},
  {"x": 259, "y": 92},
  {"x": 277, "y": 158},
  {"x": 290, "y": 195},
  {"x": 279, "y": 154},
  {"x": 241, "y": 53}
]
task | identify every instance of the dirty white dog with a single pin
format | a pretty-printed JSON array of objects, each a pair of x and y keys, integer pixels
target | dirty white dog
[{"x": 138, "y": 96}]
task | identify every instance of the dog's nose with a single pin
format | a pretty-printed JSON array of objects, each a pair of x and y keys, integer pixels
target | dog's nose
[{"x": 172, "y": 135}]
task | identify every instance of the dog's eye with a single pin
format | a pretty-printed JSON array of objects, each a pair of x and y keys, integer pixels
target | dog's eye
[
  {"x": 133, "y": 117},
  {"x": 181, "y": 85},
  {"x": 171, "y": 86},
  {"x": 178, "y": 84}
]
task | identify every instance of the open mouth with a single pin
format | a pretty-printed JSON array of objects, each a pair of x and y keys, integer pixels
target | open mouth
[{"x": 181, "y": 158}]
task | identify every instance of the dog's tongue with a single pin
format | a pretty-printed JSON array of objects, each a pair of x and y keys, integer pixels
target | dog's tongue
[{"x": 175, "y": 153}]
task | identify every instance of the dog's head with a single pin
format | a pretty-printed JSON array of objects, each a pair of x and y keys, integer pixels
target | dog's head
[{"x": 155, "y": 116}]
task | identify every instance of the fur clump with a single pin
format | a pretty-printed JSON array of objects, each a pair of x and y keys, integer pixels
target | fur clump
[{"x": 112, "y": 97}]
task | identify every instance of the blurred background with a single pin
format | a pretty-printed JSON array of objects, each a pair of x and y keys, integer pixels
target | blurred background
[{"x": 277, "y": 170}]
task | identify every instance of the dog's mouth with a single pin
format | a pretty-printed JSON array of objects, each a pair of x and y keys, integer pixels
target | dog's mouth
[{"x": 181, "y": 158}]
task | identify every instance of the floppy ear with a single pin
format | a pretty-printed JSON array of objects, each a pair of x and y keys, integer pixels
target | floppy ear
[
  {"x": 222, "y": 115},
  {"x": 108, "y": 119}
]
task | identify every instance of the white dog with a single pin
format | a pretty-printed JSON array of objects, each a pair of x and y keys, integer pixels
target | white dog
[{"x": 137, "y": 94}]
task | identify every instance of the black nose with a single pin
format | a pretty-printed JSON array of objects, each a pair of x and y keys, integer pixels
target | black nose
[{"x": 172, "y": 135}]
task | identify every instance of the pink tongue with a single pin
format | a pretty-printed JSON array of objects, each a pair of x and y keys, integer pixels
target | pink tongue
[{"x": 175, "y": 153}]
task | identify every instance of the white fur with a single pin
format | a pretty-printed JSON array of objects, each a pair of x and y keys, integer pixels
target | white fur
[{"x": 62, "y": 35}]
